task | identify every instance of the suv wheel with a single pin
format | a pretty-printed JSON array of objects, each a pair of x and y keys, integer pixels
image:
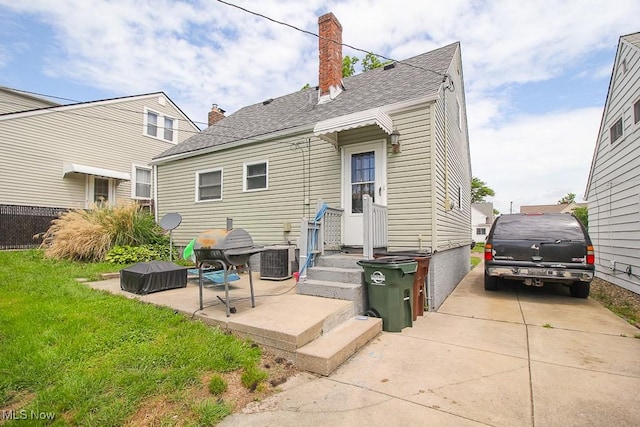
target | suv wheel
[
  {"x": 490, "y": 282},
  {"x": 580, "y": 289}
]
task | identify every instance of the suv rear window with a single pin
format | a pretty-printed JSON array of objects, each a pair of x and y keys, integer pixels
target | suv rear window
[{"x": 524, "y": 227}]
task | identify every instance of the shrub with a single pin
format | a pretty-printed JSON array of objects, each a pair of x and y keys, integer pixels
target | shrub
[
  {"x": 143, "y": 253},
  {"x": 88, "y": 235},
  {"x": 217, "y": 385}
]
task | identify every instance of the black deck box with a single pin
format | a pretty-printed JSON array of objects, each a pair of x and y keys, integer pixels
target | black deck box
[{"x": 154, "y": 276}]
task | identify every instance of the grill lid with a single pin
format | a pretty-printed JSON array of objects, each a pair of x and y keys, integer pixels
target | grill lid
[{"x": 223, "y": 239}]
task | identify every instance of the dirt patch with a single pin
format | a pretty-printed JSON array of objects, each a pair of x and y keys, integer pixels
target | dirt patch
[
  {"x": 621, "y": 301},
  {"x": 178, "y": 410}
]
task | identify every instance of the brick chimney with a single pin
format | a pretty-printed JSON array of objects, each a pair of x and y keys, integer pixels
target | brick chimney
[
  {"x": 330, "y": 49},
  {"x": 216, "y": 114}
]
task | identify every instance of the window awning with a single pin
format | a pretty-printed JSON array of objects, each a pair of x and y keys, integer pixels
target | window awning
[
  {"x": 328, "y": 129},
  {"x": 68, "y": 168}
]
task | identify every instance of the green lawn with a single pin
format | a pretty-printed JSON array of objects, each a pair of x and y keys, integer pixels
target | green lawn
[
  {"x": 95, "y": 359},
  {"x": 479, "y": 249}
]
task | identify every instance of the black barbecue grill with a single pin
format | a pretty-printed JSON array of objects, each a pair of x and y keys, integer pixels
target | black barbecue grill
[{"x": 225, "y": 248}]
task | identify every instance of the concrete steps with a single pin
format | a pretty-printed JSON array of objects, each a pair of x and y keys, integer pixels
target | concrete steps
[
  {"x": 316, "y": 334},
  {"x": 331, "y": 350},
  {"x": 336, "y": 276}
]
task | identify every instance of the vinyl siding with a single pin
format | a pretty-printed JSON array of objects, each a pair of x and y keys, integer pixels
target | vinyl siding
[
  {"x": 409, "y": 182},
  {"x": 11, "y": 102},
  {"x": 452, "y": 166},
  {"x": 34, "y": 148},
  {"x": 614, "y": 187},
  {"x": 261, "y": 213}
]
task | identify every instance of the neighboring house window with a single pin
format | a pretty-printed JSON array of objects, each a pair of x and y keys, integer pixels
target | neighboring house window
[
  {"x": 158, "y": 126},
  {"x": 168, "y": 129},
  {"x": 209, "y": 185},
  {"x": 256, "y": 176},
  {"x": 459, "y": 108},
  {"x": 459, "y": 197},
  {"x": 481, "y": 231},
  {"x": 636, "y": 112},
  {"x": 141, "y": 186},
  {"x": 616, "y": 130},
  {"x": 152, "y": 124}
]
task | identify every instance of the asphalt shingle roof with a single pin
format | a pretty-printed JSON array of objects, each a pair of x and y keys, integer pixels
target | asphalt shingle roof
[{"x": 409, "y": 79}]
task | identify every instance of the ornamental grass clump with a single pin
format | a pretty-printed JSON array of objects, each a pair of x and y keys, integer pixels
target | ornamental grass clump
[{"x": 88, "y": 235}]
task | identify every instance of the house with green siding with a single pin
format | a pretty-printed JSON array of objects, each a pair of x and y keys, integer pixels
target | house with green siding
[{"x": 391, "y": 140}]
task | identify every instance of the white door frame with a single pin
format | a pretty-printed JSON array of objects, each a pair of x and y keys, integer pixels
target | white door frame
[{"x": 352, "y": 232}]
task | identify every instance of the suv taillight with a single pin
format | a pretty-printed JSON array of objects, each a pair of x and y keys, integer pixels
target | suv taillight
[
  {"x": 591, "y": 255},
  {"x": 488, "y": 253}
]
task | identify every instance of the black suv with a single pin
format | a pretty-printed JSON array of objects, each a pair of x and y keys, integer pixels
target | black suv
[{"x": 538, "y": 248}]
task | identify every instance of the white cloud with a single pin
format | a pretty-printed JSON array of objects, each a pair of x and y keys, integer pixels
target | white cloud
[{"x": 536, "y": 159}]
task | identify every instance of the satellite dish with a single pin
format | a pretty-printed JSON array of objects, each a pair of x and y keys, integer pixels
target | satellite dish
[{"x": 170, "y": 222}]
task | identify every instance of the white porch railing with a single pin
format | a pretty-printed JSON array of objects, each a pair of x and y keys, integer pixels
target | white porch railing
[
  {"x": 326, "y": 232},
  {"x": 374, "y": 219}
]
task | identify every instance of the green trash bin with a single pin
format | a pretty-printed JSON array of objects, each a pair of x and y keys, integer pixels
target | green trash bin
[{"x": 390, "y": 289}]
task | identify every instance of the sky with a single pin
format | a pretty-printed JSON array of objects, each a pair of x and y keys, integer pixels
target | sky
[{"x": 536, "y": 72}]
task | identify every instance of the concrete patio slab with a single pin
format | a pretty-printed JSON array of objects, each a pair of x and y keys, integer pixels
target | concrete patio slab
[
  {"x": 505, "y": 338},
  {"x": 582, "y": 350},
  {"x": 565, "y": 396},
  {"x": 309, "y": 401},
  {"x": 456, "y": 380}
]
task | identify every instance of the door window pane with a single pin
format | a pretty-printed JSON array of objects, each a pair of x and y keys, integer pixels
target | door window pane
[{"x": 363, "y": 177}]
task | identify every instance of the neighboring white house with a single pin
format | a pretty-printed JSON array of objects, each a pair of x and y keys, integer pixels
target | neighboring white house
[
  {"x": 481, "y": 220},
  {"x": 71, "y": 156},
  {"x": 613, "y": 187},
  {"x": 267, "y": 164}
]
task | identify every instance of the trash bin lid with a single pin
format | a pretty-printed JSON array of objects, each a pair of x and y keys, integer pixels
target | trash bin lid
[
  {"x": 414, "y": 254},
  {"x": 406, "y": 264}
]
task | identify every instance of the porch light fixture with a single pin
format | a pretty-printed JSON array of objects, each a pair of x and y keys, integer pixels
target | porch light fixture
[{"x": 394, "y": 138}]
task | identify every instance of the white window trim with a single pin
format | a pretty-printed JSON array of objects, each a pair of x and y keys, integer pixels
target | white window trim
[
  {"x": 244, "y": 176},
  {"x": 633, "y": 112},
  {"x": 197, "y": 192},
  {"x": 160, "y": 125},
  {"x": 134, "y": 177}
]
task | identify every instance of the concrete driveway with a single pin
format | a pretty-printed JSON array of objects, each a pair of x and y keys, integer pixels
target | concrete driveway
[{"x": 515, "y": 357}]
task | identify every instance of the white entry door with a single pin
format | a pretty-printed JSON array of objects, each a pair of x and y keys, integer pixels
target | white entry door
[{"x": 363, "y": 172}]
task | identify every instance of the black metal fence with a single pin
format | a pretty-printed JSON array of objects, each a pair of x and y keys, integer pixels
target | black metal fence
[{"x": 19, "y": 225}]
